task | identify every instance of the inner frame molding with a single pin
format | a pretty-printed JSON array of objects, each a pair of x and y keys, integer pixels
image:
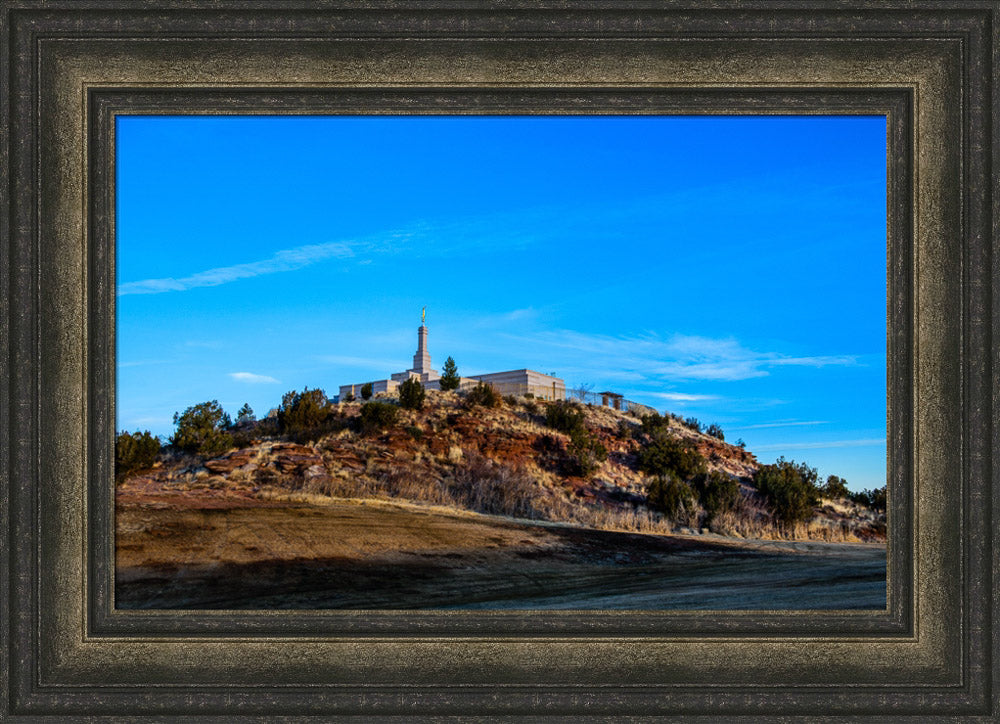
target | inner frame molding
[
  {"x": 105, "y": 104},
  {"x": 71, "y": 68}
]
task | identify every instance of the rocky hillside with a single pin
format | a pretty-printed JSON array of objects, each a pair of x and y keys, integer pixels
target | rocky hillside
[{"x": 510, "y": 459}]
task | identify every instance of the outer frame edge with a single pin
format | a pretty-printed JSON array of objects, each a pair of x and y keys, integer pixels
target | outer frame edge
[{"x": 996, "y": 514}]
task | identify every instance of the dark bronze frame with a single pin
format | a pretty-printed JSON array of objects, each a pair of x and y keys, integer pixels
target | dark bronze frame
[{"x": 69, "y": 67}]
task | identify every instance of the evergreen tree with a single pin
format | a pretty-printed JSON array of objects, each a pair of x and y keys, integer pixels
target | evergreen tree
[
  {"x": 303, "y": 410},
  {"x": 411, "y": 394},
  {"x": 450, "y": 379},
  {"x": 671, "y": 496},
  {"x": 669, "y": 455},
  {"x": 790, "y": 488},
  {"x": 134, "y": 451},
  {"x": 202, "y": 429},
  {"x": 836, "y": 487},
  {"x": 245, "y": 415}
]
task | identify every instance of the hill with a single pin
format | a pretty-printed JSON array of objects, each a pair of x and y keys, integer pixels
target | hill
[{"x": 564, "y": 462}]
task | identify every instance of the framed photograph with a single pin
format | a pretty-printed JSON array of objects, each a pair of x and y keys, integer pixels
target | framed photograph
[
  {"x": 224, "y": 221},
  {"x": 757, "y": 243}
]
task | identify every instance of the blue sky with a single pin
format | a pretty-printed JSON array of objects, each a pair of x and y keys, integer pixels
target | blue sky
[{"x": 729, "y": 268}]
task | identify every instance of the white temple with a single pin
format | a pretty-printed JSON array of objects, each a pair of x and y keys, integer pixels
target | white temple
[
  {"x": 421, "y": 359},
  {"x": 512, "y": 382}
]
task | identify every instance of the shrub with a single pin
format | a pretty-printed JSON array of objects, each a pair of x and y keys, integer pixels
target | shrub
[
  {"x": 586, "y": 452},
  {"x": 694, "y": 423},
  {"x": 483, "y": 395},
  {"x": 134, "y": 451},
  {"x": 670, "y": 496},
  {"x": 377, "y": 416},
  {"x": 654, "y": 422},
  {"x": 449, "y": 378},
  {"x": 300, "y": 411},
  {"x": 835, "y": 487},
  {"x": 715, "y": 431},
  {"x": 366, "y": 391},
  {"x": 669, "y": 455},
  {"x": 717, "y": 492},
  {"x": 415, "y": 432},
  {"x": 790, "y": 489},
  {"x": 203, "y": 429},
  {"x": 564, "y": 416},
  {"x": 874, "y": 499},
  {"x": 411, "y": 394},
  {"x": 245, "y": 416}
]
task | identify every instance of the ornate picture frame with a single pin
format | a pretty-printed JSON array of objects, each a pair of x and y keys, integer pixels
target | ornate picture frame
[{"x": 68, "y": 68}]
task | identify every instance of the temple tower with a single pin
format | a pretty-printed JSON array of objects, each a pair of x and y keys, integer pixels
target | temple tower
[{"x": 422, "y": 359}]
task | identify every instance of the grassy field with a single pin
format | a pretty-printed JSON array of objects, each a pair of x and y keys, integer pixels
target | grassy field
[{"x": 341, "y": 554}]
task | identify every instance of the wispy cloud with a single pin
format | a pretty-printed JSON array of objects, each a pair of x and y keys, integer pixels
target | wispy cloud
[
  {"x": 281, "y": 261},
  {"x": 682, "y": 396},
  {"x": 815, "y": 445},
  {"x": 675, "y": 359},
  {"x": 781, "y": 423},
  {"x": 519, "y": 314},
  {"x": 446, "y": 238},
  {"x": 820, "y": 361},
  {"x": 705, "y": 358},
  {"x": 450, "y": 238},
  {"x": 252, "y": 378}
]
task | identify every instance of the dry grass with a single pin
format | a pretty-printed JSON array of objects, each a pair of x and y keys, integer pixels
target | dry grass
[
  {"x": 479, "y": 484},
  {"x": 486, "y": 486}
]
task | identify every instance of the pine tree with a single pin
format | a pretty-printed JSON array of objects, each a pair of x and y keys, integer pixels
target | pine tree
[
  {"x": 245, "y": 416},
  {"x": 411, "y": 394},
  {"x": 202, "y": 429},
  {"x": 450, "y": 379}
]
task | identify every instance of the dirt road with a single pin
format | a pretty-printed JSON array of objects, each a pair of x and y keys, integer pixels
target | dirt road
[{"x": 376, "y": 555}]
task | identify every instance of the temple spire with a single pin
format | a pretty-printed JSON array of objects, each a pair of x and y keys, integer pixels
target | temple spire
[{"x": 422, "y": 359}]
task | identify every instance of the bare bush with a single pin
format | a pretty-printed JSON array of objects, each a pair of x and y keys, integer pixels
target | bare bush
[
  {"x": 410, "y": 484},
  {"x": 483, "y": 485}
]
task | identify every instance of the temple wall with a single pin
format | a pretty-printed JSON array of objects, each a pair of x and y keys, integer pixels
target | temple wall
[{"x": 522, "y": 382}]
